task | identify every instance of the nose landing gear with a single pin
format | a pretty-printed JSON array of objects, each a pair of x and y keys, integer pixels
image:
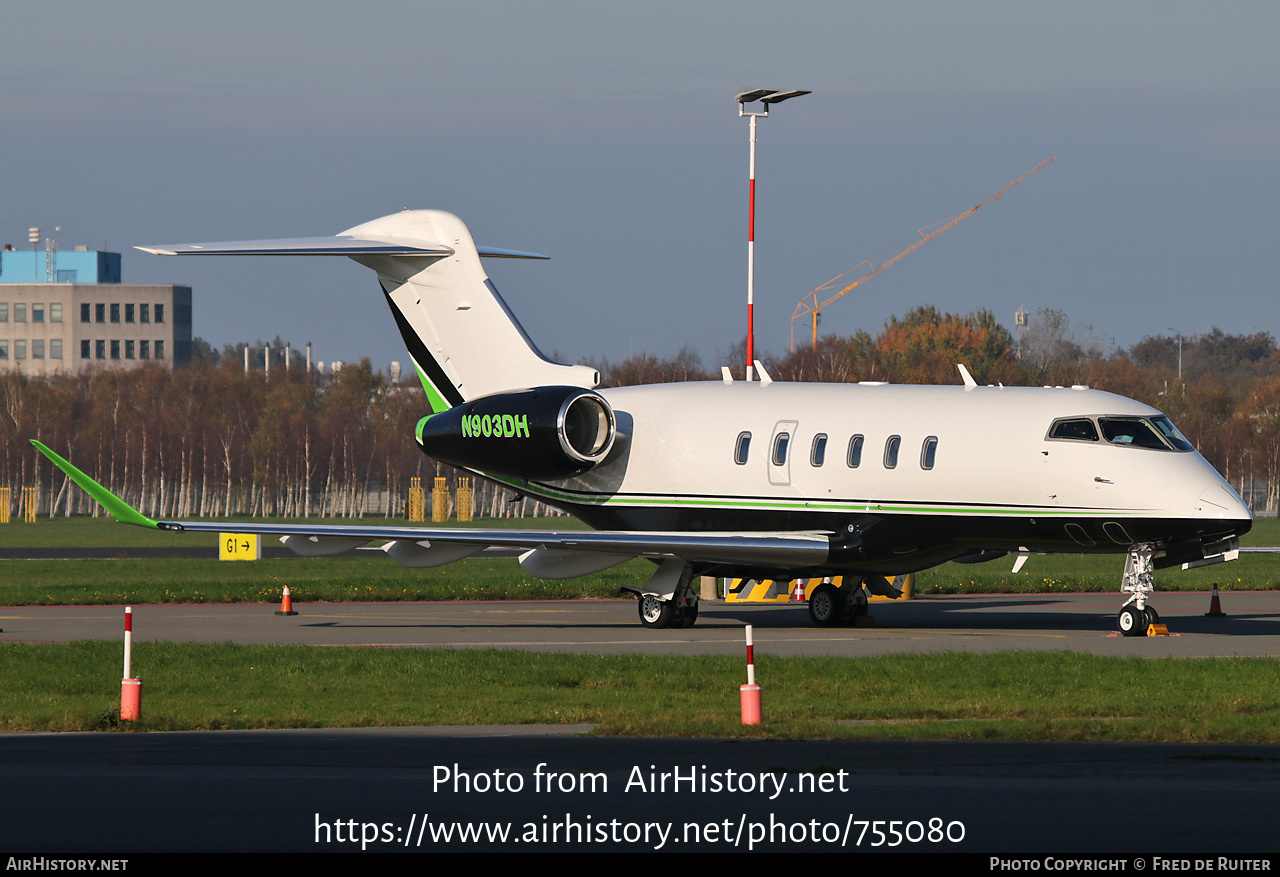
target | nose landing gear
[{"x": 1139, "y": 581}]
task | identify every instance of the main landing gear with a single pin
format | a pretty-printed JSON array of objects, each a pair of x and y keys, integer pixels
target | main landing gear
[
  {"x": 829, "y": 605},
  {"x": 667, "y": 599},
  {"x": 1139, "y": 581}
]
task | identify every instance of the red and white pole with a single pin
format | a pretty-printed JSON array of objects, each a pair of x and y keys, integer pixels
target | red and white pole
[
  {"x": 750, "y": 693},
  {"x": 130, "y": 688},
  {"x": 751, "y": 254}
]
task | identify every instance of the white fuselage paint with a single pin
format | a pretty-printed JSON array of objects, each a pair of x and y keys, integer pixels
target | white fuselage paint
[{"x": 993, "y": 458}]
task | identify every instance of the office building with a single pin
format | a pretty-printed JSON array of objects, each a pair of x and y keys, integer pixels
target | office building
[{"x": 67, "y": 311}]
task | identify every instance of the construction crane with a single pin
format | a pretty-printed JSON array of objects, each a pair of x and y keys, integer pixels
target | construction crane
[{"x": 810, "y": 304}]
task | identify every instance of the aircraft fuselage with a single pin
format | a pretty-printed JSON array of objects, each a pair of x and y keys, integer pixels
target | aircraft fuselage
[{"x": 906, "y": 477}]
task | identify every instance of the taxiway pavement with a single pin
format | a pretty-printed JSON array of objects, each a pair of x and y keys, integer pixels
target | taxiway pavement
[{"x": 975, "y": 623}]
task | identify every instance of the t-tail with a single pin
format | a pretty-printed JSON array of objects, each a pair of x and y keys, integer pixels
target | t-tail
[{"x": 464, "y": 341}]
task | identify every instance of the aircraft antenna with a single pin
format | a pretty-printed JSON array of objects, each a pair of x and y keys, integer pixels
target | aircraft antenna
[{"x": 870, "y": 268}]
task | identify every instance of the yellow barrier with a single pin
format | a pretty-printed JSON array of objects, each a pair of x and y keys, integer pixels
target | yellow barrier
[
  {"x": 4, "y": 505},
  {"x": 417, "y": 501},
  {"x": 466, "y": 498},
  {"x": 768, "y": 591},
  {"x": 440, "y": 501},
  {"x": 29, "y": 504}
]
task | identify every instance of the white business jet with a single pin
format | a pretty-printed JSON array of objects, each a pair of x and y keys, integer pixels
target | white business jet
[{"x": 754, "y": 479}]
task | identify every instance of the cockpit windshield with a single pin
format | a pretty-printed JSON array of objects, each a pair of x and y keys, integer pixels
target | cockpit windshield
[
  {"x": 1172, "y": 434},
  {"x": 1155, "y": 433}
]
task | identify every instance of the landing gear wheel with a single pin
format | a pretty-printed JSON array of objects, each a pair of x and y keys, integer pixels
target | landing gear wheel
[
  {"x": 1132, "y": 621},
  {"x": 1153, "y": 617},
  {"x": 826, "y": 605},
  {"x": 685, "y": 617},
  {"x": 855, "y": 603},
  {"x": 656, "y": 613}
]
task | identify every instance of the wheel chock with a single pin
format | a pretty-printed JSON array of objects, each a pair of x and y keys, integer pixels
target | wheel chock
[
  {"x": 865, "y": 621},
  {"x": 1157, "y": 630}
]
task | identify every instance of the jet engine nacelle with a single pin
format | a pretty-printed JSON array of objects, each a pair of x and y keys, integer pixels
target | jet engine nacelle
[{"x": 548, "y": 432}]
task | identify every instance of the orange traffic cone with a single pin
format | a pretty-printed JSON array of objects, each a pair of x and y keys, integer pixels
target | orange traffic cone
[
  {"x": 1215, "y": 606},
  {"x": 286, "y": 605},
  {"x": 797, "y": 596}
]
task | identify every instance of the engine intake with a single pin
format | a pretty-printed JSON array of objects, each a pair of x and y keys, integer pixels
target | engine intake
[{"x": 548, "y": 432}]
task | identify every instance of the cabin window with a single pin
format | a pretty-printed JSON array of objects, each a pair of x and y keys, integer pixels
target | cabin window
[
  {"x": 1079, "y": 429},
  {"x": 742, "y": 448},
  {"x": 818, "y": 453},
  {"x": 928, "y": 452},
  {"x": 780, "y": 448},
  {"x": 891, "y": 447},
  {"x": 854, "y": 457}
]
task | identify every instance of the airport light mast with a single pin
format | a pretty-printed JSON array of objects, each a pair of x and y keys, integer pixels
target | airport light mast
[{"x": 766, "y": 97}]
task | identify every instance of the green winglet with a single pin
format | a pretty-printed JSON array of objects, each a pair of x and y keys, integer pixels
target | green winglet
[{"x": 115, "y": 506}]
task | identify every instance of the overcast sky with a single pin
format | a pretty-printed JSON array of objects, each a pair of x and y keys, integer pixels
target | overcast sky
[{"x": 606, "y": 136}]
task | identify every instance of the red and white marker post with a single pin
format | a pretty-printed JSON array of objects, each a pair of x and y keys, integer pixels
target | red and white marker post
[
  {"x": 130, "y": 688},
  {"x": 750, "y": 693}
]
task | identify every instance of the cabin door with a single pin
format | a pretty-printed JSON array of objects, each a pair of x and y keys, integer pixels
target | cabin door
[{"x": 781, "y": 447}]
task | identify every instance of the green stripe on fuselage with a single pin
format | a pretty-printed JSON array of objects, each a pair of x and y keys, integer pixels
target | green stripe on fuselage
[
  {"x": 799, "y": 505},
  {"x": 434, "y": 399}
]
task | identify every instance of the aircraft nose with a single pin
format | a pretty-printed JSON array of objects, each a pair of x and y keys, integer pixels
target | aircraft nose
[{"x": 1221, "y": 501}]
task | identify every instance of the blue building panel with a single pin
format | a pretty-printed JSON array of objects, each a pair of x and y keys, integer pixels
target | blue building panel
[{"x": 70, "y": 266}]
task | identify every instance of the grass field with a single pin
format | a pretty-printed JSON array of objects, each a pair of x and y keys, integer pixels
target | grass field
[
  {"x": 74, "y": 686},
  {"x": 375, "y": 578},
  {"x": 1061, "y": 696}
]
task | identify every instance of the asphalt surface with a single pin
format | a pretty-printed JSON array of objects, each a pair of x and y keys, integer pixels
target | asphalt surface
[
  {"x": 404, "y": 789},
  {"x": 980, "y": 623}
]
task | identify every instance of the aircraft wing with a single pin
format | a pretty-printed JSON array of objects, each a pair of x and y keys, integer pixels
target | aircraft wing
[{"x": 546, "y": 553}]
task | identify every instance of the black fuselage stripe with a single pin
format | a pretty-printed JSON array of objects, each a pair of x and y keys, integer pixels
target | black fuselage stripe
[{"x": 422, "y": 356}]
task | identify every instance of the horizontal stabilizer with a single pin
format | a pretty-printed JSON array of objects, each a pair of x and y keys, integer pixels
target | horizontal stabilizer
[{"x": 338, "y": 245}]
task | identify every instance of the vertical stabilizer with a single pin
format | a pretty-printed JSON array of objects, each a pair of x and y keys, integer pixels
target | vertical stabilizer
[{"x": 463, "y": 339}]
